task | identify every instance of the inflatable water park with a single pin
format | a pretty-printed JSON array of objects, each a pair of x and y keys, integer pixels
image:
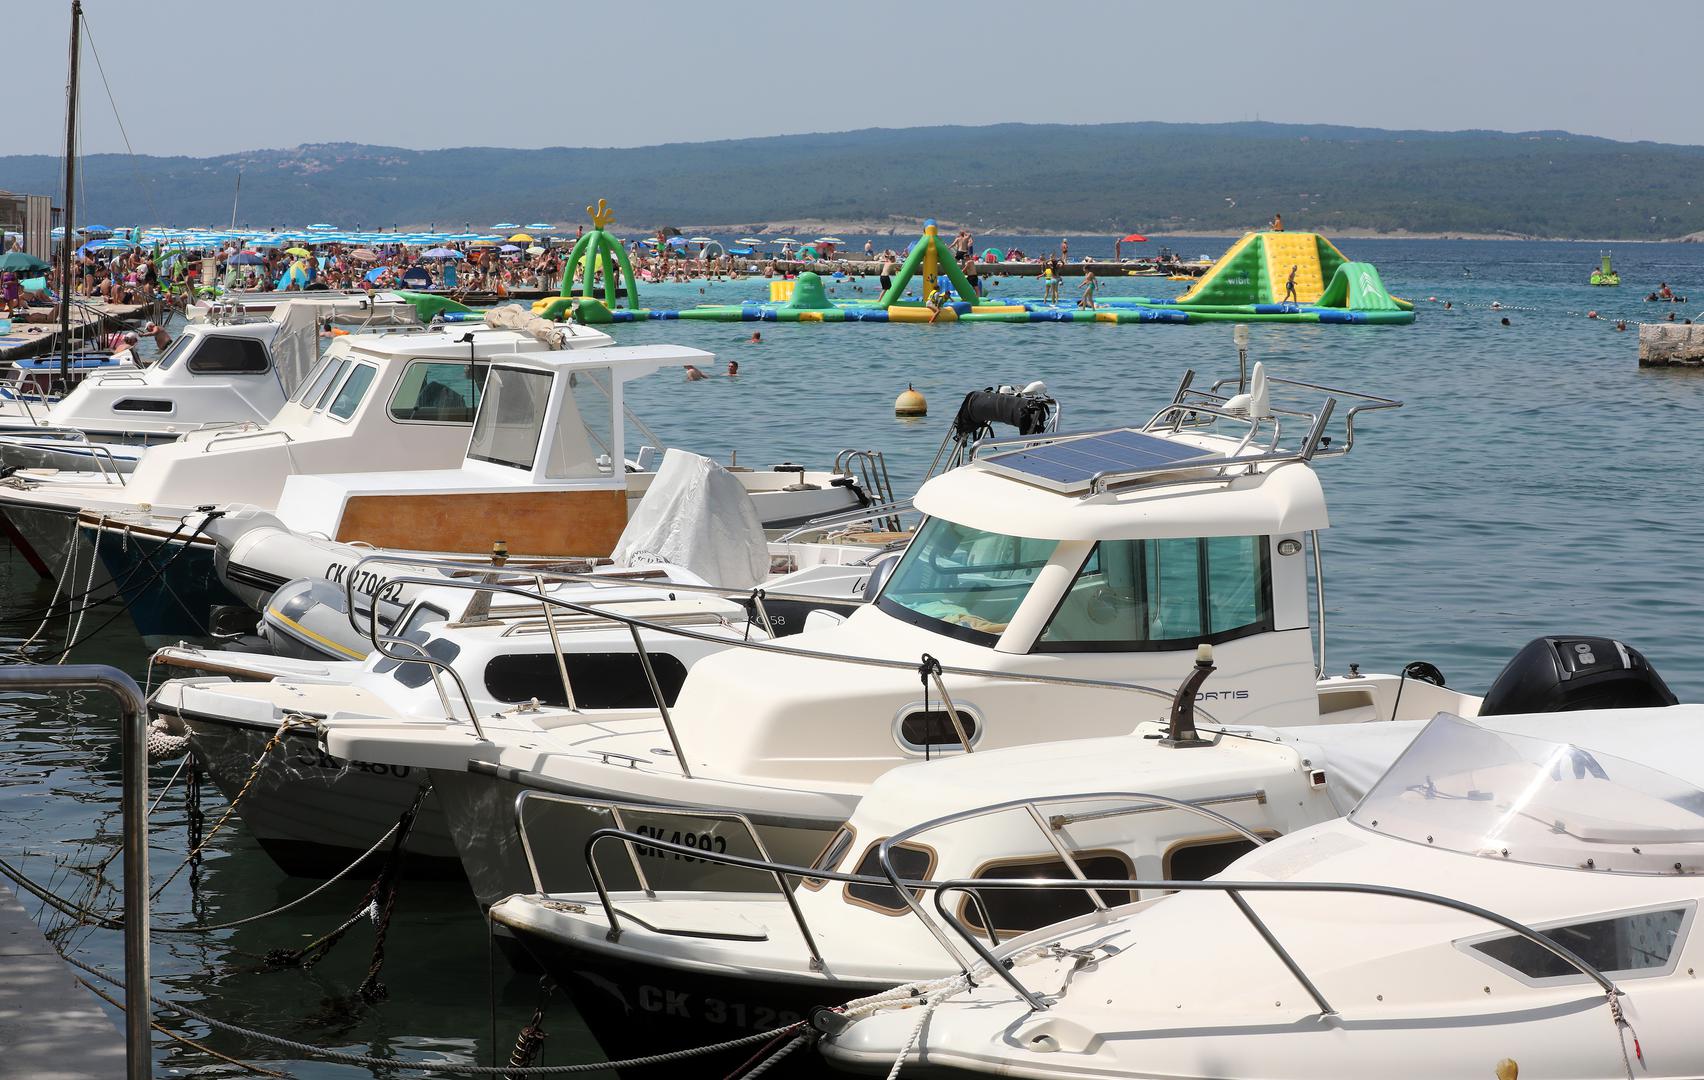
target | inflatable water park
[{"x": 1267, "y": 276}]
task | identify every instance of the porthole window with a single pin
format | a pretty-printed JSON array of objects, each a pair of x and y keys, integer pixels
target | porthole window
[
  {"x": 912, "y": 862},
  {"x": 930, "y": 731}
]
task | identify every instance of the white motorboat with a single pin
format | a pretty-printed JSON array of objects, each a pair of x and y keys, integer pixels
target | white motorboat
[
  {"x": 543, "y": 473},
  {"x": 1514, "y": 897},
  {"x": 234, "y": 371},
  {"x": 1053, "y": 585},
  {"x": 393, "y": 401},
  {"x": 1194, "y": 798}
]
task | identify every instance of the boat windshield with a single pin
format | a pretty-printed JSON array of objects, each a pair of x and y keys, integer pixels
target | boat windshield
[
  {"x": 963, "y": 582},
  {"x": 1469, "y": 789},
  {"x": 510, "y": 420}
]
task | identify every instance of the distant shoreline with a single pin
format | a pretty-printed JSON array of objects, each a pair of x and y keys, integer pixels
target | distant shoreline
[{"x": 804, "y": 230}]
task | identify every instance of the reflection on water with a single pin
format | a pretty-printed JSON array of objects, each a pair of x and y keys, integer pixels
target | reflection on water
[{"x": 1535, "y": 482}]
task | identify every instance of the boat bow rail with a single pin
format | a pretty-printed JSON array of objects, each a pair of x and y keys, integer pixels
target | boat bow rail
[{"x": 908, "y": 889}]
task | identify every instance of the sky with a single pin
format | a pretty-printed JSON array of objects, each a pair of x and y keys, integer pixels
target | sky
[{"x": 204, "y": 77}]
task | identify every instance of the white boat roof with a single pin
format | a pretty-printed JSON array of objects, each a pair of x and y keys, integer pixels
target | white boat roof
[
  {"x": 585, "y": 348},
  {"x": 1276, "y": 499}
]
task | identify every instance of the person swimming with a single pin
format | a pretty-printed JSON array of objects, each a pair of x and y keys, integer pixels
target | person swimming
[
  {"x": 693, "y": 374},
  {"x": 756, "y": 338}
]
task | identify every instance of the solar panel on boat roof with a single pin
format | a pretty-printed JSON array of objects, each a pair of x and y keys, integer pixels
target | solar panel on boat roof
[{"x": 1069, "y": 465}]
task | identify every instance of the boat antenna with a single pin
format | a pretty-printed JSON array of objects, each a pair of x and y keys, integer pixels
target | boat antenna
[
  {"x": 70, "y": 199},
  {"x": 1182, "y": 731}
]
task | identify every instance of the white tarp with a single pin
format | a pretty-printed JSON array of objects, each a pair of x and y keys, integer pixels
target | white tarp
[{"x": 697, "y": 515}]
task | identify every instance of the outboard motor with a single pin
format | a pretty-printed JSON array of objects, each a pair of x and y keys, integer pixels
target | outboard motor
[{"x": 1572, "y": 674}]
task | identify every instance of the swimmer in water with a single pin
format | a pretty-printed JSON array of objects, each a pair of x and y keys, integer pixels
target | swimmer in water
[
  {"x": 756, "y": 338},
  {"x": 1505, "y": 320},
  {"x": 1496, "y": 305},
  {"x": 733, "y": 368},
  {"x": 693, "y": 374},
  {"x": 1621, "y": 324}
]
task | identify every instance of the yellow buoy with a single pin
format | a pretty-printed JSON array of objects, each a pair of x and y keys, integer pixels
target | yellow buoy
[
  {"x": 910, "y": 403},
  {"x": 1508, "y": 1070}
]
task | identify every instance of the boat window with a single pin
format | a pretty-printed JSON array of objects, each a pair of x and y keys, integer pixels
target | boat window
[
  {"x": 912, "y": 862},
  {"x": 1164, "y": 594},
  {"x": 433, "y": 392},
  {"x": 1492, "y": 794},
  {"x": 221, "y": 355},
  {"x": 1014, "y": 911},
  {"x": 963, "y": 582},
  {"x": 315, "y": 383},
  {"x": 600, "y": 680},
  {"x": 832, "y": 852},
  {"x": 925, "y": 730},
  {"x": 176, "y": 351},
  {"x": 324, "y": 395},
  {"x": 131, "y": 404},
  {"x": 414, "y": 674},
  {"x": 421, "y": 615},
  {"x": 511, "y": 417},
  {"x": 584, "y": 433},
  {"x": 1198, "y": 860},
  {"x": 354, "y": 389},
  {"x": 1620, "y": 946}
]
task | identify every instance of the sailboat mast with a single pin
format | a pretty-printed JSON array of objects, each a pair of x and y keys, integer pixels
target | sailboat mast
[
  {"x": 235, "y": 196},
  {"x": 70, "y": 199}
]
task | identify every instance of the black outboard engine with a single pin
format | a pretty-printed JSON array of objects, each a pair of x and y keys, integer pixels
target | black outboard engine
[{"x": 1571, "y": 674}]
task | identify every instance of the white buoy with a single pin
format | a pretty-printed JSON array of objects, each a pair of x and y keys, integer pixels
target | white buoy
[{"x": 910, "y": 403}]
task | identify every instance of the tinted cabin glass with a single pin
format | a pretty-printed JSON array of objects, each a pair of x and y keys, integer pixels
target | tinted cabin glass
[
  {"x": 332, "y": 378},
  {"x": 438, "y": 393},
  {"x": 228, "y": 356},
  {"x": 600, "y": 680},
  {"x": 176, "y": 352},
  {"x": 1198, "y": 862},
  {"x": 348, "y": 399},
  {"x": 511, "y": 418},
  {"x": 1644, "y": 941},
  {"x": 142, "y": 405},
  {"x": 413, "y": 674},
  {"x": 910, "y": 863},
  {"x": 832, "y": 852},
  {"x": 310, "y": 390},
  {"x": 1017, "y": 910},
  {"x": 1164, "y": 594},
  {"x": 963, "y": 581}
]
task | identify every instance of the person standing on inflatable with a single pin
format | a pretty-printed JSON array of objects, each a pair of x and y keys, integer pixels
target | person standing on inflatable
[
  {"x": 1277, "y": 222},
  {"x": 1290, "y": 287}
]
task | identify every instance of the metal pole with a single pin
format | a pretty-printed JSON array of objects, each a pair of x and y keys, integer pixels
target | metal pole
[
  {"x": 133, "y": 752},
  {"x": 70, "y": 200}
]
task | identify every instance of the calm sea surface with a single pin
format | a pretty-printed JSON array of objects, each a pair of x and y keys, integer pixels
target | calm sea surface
[{"x": 1536, "y": 481}]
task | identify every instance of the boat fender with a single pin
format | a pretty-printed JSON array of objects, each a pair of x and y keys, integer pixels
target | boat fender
[{"x": 168, "y": 738}]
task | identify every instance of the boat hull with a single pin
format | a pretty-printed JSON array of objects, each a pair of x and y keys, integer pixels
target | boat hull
[
  {"x": 313, "y": 813},
  {"x": 634, "y": 1007},
  {"x": 168, "y": 582},
  {"x": 481, "y": 811}
]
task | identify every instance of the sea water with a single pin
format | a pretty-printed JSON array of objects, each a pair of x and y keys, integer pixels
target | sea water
[{"x": 1535, "y": 481}]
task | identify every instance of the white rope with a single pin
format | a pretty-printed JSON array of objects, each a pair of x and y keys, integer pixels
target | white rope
[
  {"x": 88, "y": 587},
  {"x": 58, "y": 587}
]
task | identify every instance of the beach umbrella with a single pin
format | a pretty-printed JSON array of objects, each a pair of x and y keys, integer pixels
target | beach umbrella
[
  {"x": 322, "y": 226},
  {"x": 677, "y": 241},
  {"x": 829, "y": 240},
  {"x": 483, "y": 243},
  {"x": 785, "y": 240},
  {"x": 299, "y": 252},
  {"x": 441, "y": 253},
  {"x": 754, "y": 241},
  {"x": 95, "y": 230},
  {"x": 701, "y": 240},
  {"x": 520, "y": 238},
  {"x": 535, "y": 250},
  {"x": 649, "y": 241},
  {"x": 505, "y": 225},
  {"x": 374, "y": 274},
  {"x": 22, "y": 262},
  {"x": 545, "y": 225},
  {"x": 509, "y": 248},
  {"x": 739, "y": 251},
  {"x": 1133, "y": 238},
  {"x": 246, "y": 258},
  {"x": 362, "y": 254}
]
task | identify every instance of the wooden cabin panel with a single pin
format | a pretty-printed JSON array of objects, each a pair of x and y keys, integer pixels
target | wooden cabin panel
[{"x": 530, "y": 522}]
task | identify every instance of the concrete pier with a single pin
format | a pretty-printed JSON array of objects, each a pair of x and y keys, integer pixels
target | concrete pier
[
  {"x": 1667, "y": 344},
  {"x": 50, "y": 1028}
]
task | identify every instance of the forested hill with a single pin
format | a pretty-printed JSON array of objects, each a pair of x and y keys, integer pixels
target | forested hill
[{"x": 1098, "y": 178}]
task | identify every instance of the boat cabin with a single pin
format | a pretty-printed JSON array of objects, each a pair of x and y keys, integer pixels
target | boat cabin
[{"x": 543, "y": 470}]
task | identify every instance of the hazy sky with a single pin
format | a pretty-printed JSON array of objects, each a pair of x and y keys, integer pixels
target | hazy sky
[{"x": 211, "y": 76}]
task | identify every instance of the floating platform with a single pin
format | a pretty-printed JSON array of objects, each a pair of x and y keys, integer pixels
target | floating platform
[{"x": 1279, "y": 277}]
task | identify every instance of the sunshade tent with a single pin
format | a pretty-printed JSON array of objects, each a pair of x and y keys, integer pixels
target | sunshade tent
[
  {"x": 996, "y": 252},
  {"x": 1133, "y": 238},
  {"x": 22, "y": 262}
]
